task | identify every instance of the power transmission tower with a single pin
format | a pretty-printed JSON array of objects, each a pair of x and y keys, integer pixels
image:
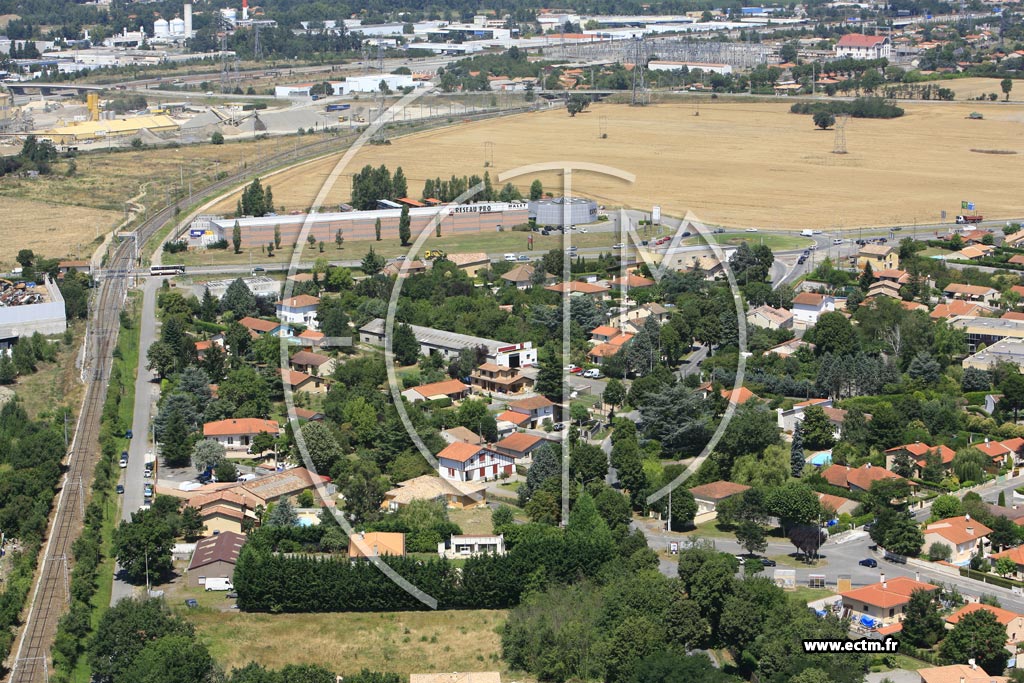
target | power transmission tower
[
  {"x": 488, "y": 154},
  {"x": 840, "y": 144},
  {"x": 257, "y": 47},
  {"x": 380, "y": 58},
  {"x": 225, "y": 66},
  {"x": 639, "y": 59}
]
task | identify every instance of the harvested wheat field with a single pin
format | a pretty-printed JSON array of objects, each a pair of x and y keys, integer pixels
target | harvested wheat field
[
  {"x": 736, "y": 164},
  {"x": 51, "y": 229},
  {"x": 972, "y": 87}
]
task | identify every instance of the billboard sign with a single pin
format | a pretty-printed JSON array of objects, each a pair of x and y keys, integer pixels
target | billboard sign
[{"x": 656, "y": 215}]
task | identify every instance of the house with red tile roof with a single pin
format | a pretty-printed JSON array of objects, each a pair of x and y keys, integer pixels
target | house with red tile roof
[
  {"x": 958, "y": 673},
  {"x": 462, "y": 461},
  {"x": 604, "y": 333},
  {"x": 837, "y": 504},
  {"x": 632, "y": 281},
  {"x": 918, "y": 453},
  {"x": 516, "y": 418},
  {"x": 312, "y": 363},
  {"x": 739, "y": 396},
  {"x": 536, "y": 408},
  {"x": 956, "y": 307},
  {"x": 708, "y": 496},
  {"x": 883, "y": 602},
  {"x": 962, "y": 534},
  {"x": 1001, "y": 451},
  {"x": 1015, "y": 554},
  {"x": 236, "y": 434},
  {"x": 770, "y": 318},
  {"x": 975, "y": 293},
  {"x": 577, "y": 288},
  {"x": 257, "y": 327},
  {"x": 298, "y": 310},
  {"x": 520, "y": 446},
  {"x": 859, "y": 479},
  {"x": 450, "y": 388},
  {"x": 809, "y": 306},
  {"x": 860, "y": 46},
  {"x": 1011, "y": 621},
  {"x": 301, "y": 382}
]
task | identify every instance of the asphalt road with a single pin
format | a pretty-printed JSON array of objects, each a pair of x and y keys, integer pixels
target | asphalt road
[
  {"x": 146, "y": 395},
  {"x": 842, "y": 559}
]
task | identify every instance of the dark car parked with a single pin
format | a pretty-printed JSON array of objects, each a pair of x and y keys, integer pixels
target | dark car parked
[{"x": 869, "y": 562}]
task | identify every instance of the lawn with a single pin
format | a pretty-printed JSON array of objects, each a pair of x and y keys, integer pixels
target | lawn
[
  {"x": 804, "y": 595},
  {"x": 473, "y": 522},
  {"x": 354, "y": 250},
  {"x": 403, "y": 642}
]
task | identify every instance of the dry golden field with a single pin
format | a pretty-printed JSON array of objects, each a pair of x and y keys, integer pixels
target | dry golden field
[
  {"x": 972, "y": 87},
  {"x": 58, "y": 216},
  {"x": 736, "y": 164}
]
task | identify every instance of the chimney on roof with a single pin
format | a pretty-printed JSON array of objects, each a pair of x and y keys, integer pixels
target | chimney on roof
[
  {"x": 971, "y": 663},
  {"x": 986, "y": 439},
  {"x": 970, "y": 531},
  {"x": 967, "y": 517},
  {"x": 867, "y": 466},
  {"x": 883, "y": 581},
  {"x": 917, "y": 576}
]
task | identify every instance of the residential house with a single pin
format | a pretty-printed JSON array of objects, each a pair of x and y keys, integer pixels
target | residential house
[
  {"x": 466, "y": 462},
  {"x": 520, "y": 446},
  {"x": 312, "y": 363},
  {"x": 959, "y": 308},
  {"x": 882, "y": 603},
  {"x": 1015, "y": 554},
  {"x": 376, "y": 544},
  {"x": 311, "y": 339},
  {"x": 258, "y": 327},
  {"x": 860, "y": 478},
  {"x": 226, "y": 509},
  {"x": 450, "y": 388},
  {"x": 958, "y": 673},
  {"x": 602, "y": 334},
  {"x": 837, "y": 418},
  {"x": 771, "y": 318},
  {"x": 894, "y": 275},
  {"x": 880, "y": 256},
  {"x": 1011, "y": 621},
  {"x": 860, "y": 46},
  {"x": 788, "y": 419},
  {"x": 632, "y": 281},
  {"x": 307, "y": 415},
  {"x": 1001, "y": 452},
  {"x": 287, "y": 484},
  {"x": 739, "y": 396},
  {"x": 977, "y": 237},
  {"x": 1017, "y": 260},
  {"x": 404, "y": 268},
  {"x": 458, "y": 546},
  {"x": 886, "y": 288},
  {"x": 299, "y": 310},
  {"x": 215, "y": 558},
  {"x": 203, "y": 346},
  {"x": 64, "y": 267},
  {"x": 975, "y": 252},
  {"x": 456, "y": 495},
  {"x": 236, "y": 434},
  {"x": 962, "y": 534},
  {"x": 521, "y": 277},
  {"x": 837, "y": 504},
  {"x": 788, "y": 348},
  {"x": 976, "y": 293},
  {"x": 300, "y": 382},
  {"x": 599, "y": 353},
  {"x": 537, "y": 409},
  {"x": 577, "y": 288},
  {"x": 472, "y": 263},
  {"x": 491, "y": 377},
  {"x": 453, "y": 434},
  {"x": 708, "y": 496},
  {"x": 1015, "y": 514},
  {"x": 918, "y": 453},
  {"x": 633, "y": 319},
  {"x": 516, "y": 419},
  {"x": 808, "y": 307}
]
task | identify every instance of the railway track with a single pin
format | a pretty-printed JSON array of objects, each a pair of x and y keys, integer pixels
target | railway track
[{"x": 50, "y": 596}]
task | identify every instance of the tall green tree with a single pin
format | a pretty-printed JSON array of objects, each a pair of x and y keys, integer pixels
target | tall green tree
[
  {"x": 816, "y": 429},
  {"x": 372, "y": 263},
  {"x": 922, "y": 623},
  {"x": 236, "y": 238},
  {"x": 376, "y": 229},
  {"x": 404, "y": 223},
  {"x": 404, "y": 345},
  {"x": 978, "y": 636},
  {"x": 796, "y": 451}
]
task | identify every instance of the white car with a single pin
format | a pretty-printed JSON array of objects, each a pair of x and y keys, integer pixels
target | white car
[
  {"x": 582, "y": 229},
  {"x": 511, "y": 257},
  {"x": 751, "y": 230},
  {"x": 618, "y": 245},
  {"x": 593, "y": 373}
]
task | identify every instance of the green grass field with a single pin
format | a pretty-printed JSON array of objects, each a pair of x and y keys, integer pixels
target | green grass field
[{"x": 354, "y": 250}]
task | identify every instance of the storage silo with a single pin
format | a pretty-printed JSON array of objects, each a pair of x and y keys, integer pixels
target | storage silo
[
  {"x": 161, "y": 29},
  {"x": 188, "y": 19},
  {"x": 177, "y": 26},
  {"x": 562, "y": 212}
]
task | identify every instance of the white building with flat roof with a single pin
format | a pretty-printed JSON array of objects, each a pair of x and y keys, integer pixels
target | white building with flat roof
[
  {"x": 448, "y": 344},
  {"x": 23, "y": 312},
  {"x": 664, "y": 65}
]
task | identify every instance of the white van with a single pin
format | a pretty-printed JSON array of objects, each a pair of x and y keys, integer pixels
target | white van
[
  {"x": 214, "y": 584},
  {"x": 511, "y": 257},
  {"x": 807, "y": 233},
  {"x": 837, "y": 241}
]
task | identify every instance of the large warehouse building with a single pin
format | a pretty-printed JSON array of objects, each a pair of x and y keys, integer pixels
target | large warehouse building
[{"x": 359, "y": 225}]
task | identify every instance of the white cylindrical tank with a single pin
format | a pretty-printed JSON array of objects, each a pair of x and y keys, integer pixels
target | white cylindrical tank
[
  {"x": 177, "y": 26},
  {"x": 230, "y": 14},
  {"x": 188, "y": 19},
  {"x": 161, "y": 29}
]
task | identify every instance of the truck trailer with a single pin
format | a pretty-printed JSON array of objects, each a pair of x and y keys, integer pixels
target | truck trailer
[{"x": 965, "y": 220}]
